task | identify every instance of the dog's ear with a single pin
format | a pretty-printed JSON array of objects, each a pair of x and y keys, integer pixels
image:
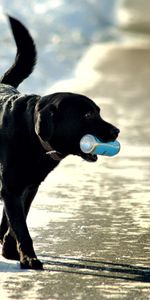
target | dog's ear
[{"x": 44, "y": 121}]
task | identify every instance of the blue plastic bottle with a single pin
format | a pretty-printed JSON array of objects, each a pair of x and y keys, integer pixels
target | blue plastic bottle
[{"x": 91, "y": 144}]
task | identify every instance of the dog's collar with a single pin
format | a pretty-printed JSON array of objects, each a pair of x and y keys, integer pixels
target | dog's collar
[{"x": 55, "y": 155}]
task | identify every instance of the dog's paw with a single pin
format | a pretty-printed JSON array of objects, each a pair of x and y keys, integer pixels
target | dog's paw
[
  {"x": 31, "y": 263},
  {"x": 9, "y": 248}
]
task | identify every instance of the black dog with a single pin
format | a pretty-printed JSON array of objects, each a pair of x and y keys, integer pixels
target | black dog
[{"x": 36, "y": 133}]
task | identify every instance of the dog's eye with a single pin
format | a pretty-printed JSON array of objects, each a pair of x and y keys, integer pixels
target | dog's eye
[{"x": 88, "y": 115}]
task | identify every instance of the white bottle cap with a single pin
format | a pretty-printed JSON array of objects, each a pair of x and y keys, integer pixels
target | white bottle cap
[{"x": 87, "y": 143}]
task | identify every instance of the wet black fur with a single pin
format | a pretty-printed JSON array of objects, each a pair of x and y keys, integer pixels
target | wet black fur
[{"x": 60, "y": 120}]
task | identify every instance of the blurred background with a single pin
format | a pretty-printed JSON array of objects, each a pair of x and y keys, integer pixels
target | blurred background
[
  {"x": 96, "y": 211},
  {"x": 64, "y": 30}
]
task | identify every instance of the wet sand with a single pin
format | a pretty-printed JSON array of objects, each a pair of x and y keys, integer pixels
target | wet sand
[{"x": 90, "y": 222}]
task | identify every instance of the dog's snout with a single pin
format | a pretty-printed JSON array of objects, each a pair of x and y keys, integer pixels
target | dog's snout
[{"x": 114, "y": 132}]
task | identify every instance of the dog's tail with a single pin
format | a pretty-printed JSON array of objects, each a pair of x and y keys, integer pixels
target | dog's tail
[{"x": 25, "y": 57}]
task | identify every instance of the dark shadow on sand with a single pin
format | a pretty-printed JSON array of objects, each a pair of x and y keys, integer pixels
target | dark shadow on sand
[{"x": 96, "y": 268}]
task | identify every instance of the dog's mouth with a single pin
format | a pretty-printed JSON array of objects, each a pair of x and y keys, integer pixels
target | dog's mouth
[{"x": 89, "y": 157}]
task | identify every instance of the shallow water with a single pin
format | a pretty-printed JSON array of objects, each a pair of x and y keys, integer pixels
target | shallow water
[{"x": 90, "y": 222}]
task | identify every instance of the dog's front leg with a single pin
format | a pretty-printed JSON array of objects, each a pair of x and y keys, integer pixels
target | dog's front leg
[
  {"x": 3, "y": 226},
  {"x": 7, "y": 239},
  {"x": 9, "y": 249},
  {"x": 17, "y": 222}
]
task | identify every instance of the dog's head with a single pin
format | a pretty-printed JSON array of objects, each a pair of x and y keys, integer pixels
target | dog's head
[{"x": 62, "y": 119}]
